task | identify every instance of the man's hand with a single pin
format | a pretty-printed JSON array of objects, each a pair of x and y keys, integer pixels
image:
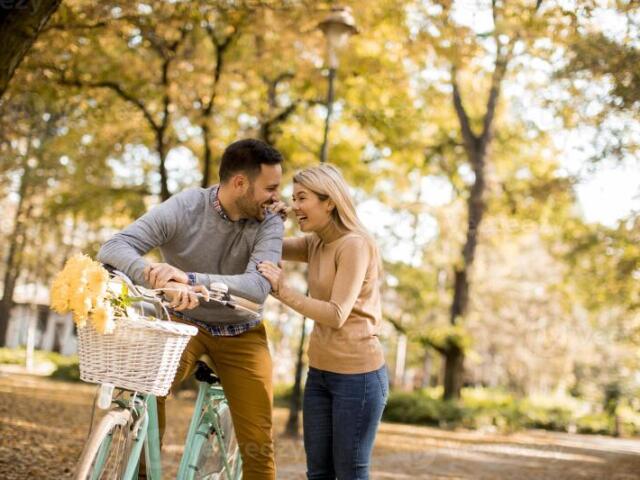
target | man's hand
[
  {"x": 160, "y": 274},
  {"x": 183, "y": 297}
]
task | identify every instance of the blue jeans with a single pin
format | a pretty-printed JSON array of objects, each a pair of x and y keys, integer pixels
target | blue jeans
[{"x": 341, "y": 417}]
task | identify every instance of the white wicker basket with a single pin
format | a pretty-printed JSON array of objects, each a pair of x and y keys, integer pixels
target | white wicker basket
[{"x": 140, "y": 355}]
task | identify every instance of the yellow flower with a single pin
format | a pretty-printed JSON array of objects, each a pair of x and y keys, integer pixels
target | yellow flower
[
  {"x": 80, "y": 305},
  {"x": 75, "y": 271},
  {"x": 60, "y": 294},
  {"x": 102, "y": 319},
  {"x": 82, "y": 287},
  {"x": 97, "y": 279}
]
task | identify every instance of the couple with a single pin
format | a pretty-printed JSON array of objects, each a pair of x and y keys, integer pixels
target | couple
[{"x": 232, "y": 233}]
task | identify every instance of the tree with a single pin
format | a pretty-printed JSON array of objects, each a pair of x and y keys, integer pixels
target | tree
[
  {"x": 20, "y": 25},
  {"x": 222, "y": 28},
  {"x": 28, "y": 131},
  {"x": 52, "y": 157},
  {"x": 462, "y": 52},
  {"x": 603, "y": 77},
  {"x": 159, "y": 38},
  {"x": 596, "y": 54}
]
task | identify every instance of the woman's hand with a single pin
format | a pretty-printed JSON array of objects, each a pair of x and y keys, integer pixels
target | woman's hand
[
  {"x": 280, "y": 208},
  {"x": 273, "y": 273}
]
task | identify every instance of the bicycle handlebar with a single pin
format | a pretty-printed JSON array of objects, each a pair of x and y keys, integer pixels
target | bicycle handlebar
[{"x": 216, "y": 295}]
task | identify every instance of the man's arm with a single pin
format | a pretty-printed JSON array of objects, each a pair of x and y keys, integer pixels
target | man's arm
[
  {"x": 251, "y": 284},
  {"x": 125, "y": 249}
]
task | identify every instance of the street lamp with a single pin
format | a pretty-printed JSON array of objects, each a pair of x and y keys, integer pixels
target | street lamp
[{"x": 337, "y": 27}]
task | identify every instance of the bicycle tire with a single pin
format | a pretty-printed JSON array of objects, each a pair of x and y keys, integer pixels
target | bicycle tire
[
  {"x": 207, "y": 459},
  {"x": 105, "y": 454}
]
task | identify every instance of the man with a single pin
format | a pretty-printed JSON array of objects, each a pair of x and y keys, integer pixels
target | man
[{"x": 218, "y": 234}]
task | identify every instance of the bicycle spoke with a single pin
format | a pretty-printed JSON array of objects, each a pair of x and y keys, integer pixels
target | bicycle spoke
[{"x": 113, "y": 455}]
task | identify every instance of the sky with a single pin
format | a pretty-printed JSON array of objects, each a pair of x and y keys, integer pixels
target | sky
[{"x": 610, "y": 194}]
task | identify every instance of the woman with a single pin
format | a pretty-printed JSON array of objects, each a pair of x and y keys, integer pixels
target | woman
[{"x": 347, "y": 384}]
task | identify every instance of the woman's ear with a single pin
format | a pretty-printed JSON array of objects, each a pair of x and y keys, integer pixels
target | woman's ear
[{"x": 331, "y": 206}]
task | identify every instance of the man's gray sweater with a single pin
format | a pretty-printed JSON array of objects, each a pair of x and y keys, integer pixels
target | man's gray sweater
[{"x": 194, "y": 237}]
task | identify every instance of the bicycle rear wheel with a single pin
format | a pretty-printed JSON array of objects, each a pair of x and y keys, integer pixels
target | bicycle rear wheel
[
  {"x": 216, "y": 454},
  {"x": 106, "y": 453}
]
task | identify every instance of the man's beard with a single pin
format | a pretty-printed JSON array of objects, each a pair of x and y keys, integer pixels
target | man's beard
[{"x": 248, "y": 206}]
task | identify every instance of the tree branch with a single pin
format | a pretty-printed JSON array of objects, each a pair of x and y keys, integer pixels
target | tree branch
[
  {"x": 538, "y": 5},
  {"x": 165, "y": 98},
  {"x": 75, "y": 26},
  {"x": 121, "y": 92},
  {"x": 470, "y": 139},
  {"x": 67, "y": 26},
  {"x": 221, "y": 48},
  {"x": 499, "y": 72},
  {"x": 396, "y": 325},
  {"x": 266, "y": 129},
  {"x": 272, "y": 86}
]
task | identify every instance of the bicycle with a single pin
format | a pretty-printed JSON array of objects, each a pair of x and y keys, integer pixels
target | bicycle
[{"x": 130, "y": 426}]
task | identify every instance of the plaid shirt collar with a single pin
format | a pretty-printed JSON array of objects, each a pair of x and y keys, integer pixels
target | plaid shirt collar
[{"x": 218, "y": 206}]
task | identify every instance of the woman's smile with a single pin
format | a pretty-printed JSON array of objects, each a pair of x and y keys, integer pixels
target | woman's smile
[{"x": 310, "y": 211}]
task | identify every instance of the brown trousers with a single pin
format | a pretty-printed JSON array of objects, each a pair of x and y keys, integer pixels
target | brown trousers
[{"x": 244, "y": 366}]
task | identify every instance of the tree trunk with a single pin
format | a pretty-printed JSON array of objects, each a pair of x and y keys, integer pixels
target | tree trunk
[
  {"x": 162, "y": 155},
  {"x": 5, "y": 314},
  {"x": 206, "y": 171},
  {"x": 453, "y": 372},
  {"x": 426, "y": 368},
  {"x": 295, "y": 404},
  {"x": 454, "y": 356},
  {"x": 14, "y": 257},
  {"x": 20, "y": 24}
]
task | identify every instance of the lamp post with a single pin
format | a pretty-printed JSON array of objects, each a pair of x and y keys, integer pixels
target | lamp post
[{"x": 337, "y": 27}]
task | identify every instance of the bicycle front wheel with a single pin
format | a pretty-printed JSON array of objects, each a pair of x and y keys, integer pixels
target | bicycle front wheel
[
  {"x": 106, "y": 454},
  {"x": 216, "y": 454}
]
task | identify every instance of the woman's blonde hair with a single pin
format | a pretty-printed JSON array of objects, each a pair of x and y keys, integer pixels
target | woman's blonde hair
[{"x": 327, "y": 182}]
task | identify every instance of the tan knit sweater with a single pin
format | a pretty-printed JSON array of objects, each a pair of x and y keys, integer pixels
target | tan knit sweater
[{"x": 344, "y": 302}]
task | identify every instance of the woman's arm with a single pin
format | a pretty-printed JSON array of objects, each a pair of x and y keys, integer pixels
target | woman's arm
[
  {"x": 294, "y": 249},
  {"x": 352, "y": 264}
]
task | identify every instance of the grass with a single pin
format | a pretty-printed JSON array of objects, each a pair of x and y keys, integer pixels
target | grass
[
  {"x": 65, "y": 367},
  {"x": 488, "y": 408}
]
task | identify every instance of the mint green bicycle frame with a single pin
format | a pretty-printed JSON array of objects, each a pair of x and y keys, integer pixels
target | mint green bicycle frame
[{"x": 200, "y": 427}]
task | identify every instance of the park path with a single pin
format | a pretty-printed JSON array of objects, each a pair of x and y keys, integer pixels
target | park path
[{"x": 43, "y": 425}]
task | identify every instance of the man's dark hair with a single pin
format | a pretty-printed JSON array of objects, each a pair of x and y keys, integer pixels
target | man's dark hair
[{"x": 246, "y": 156}]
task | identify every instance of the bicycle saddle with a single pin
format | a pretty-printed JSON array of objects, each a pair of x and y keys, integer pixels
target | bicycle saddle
[{"x": 205, "y": 370}]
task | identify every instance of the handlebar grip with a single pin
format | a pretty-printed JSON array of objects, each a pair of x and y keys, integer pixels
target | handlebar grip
[{"x": 244, "y": 303}]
